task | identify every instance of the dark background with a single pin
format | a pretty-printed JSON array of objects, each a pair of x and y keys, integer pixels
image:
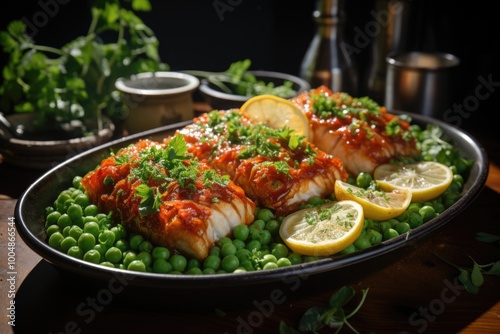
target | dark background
[{"x": 275, "y": 35}]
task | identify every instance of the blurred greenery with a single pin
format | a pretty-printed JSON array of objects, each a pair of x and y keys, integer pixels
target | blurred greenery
[{"x": 76, "y": 81}]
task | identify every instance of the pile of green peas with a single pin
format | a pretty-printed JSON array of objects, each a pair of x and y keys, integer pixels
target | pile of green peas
[{"x": 76, "y": 227}]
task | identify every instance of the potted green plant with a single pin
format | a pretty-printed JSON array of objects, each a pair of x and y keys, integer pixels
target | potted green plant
[{"x": 72, "y": 88}]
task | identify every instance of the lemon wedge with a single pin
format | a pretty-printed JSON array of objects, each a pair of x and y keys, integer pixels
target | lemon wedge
[
  {"x": 426, "y": 180},
  {"x": 276, "y": 112},
  {"x": 323, "y": 230},
  {"x": 377, "y": 205}
]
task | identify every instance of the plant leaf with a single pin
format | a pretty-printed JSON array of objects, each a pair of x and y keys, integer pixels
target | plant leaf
[
  {"x": 494, "y": 270},
  {"x": 487, "y": 237},
  {"x": 311, "y": 319},
  {"x": 464, "y": 278},
  {"x": 476, "y": 275},
  {"x": 342, "y": 296}
]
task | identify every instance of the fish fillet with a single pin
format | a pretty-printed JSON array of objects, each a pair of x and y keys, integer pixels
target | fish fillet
[
  {"x": 356, "y": 130},
  {"x": 187, "y": 212}
]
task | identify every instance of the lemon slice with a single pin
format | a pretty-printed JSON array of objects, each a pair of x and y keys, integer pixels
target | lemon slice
[
  {"x": 276, "y": 112},
  {"x": 426, "y": 180},
  {"x": 323, "y": 230},
  {"x": 377, "y": 205}
]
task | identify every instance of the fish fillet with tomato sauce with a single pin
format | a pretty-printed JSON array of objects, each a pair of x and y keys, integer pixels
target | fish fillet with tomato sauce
[
  {"x": 158, "y": 191},
  {"x": 357, "y": 130},
  {"x": 274, "y": 167}
]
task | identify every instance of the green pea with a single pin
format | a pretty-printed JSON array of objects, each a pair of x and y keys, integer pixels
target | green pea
[
  {"x": 64, "y": 220},
  {"x": 243, "y": 254},
  {"x": 310, "y": 258},
  {"x": 283, "y": 262},
  {"x": 52, "y": 218},
  {"x": 77, "y": 182},
  {"x": 258, "y": 225},
  {"x": 162, "y": 266},
  {"x": 135, "y": 241},
  {"x": 363, "y": 180},
  {"x": 75, "y": 231},
  {"x": 295, "y": 258},
  {"x": 119, "y": 232},
  {"x": 240, "y": 232},
  {"x": 113, "y": 255},
  {"x": 273, "y": 226},
  {"x": 101, "y": 249},
  {"x": 215, "y": 251},
  {"x": 67, "y": 243},
  {"x": 106, "y": 238},
  {"x": 107, "y": 264},
  {"x": 383, "y": 226},
  {"x": 225, "y": 240},
  {"x": 270, "y": 265},
  {"x": 123, "y": 245},
  {"x": 194, "y": 271},
  {"x": 145, "y": 246},
  {"x": 228, "y": 249},
  {"x": 65, "y": 231},
  {"x": 145, "y": 257},
  {"x": 75, "y": 212},
  {"x": 92, "y": 256},
  {"x": 265, "y": 214},
  {"x": 91, "y": 210},
  {"x": 208, "y": 271},
  {"x": 238, "y": 244},
  {"x": 362, "y": 243},
  {"x": 92, "y": 228},
  {"x": 269, "y": 258},
  {"x": 52, "y": 229},
  {"x": 160, "y": 252},
  {"x": 265, "y": 237},
  {"x": 427, "y": 212},
  {"x": 212, "y": 261},
  {"x": 230, "y": 263},
  {"x": 254, "y": 245},
  {"x": 86, "y": 241},
  {"x": 75, "y": 252},
  {"x": 414, "y": 207},
  {"x": 61, "y": 199},
  {"x": 315, "y": 201},
  {"x": 129, "y": 257},
  {"x": 415, "y": 220},
  {"x": 403, "y": 227},
  {"x": 390, "y": 233},
  {"x": 55, "y": 240},
  {"x": 137, "y": 265},
  {"x": 247, "y": 264},
  {"x": 82, "y": 200},
  {"x": 279, "y": 250},
  {"x": 350, "y": 249},
  {"x": 374, "y": 237},
  {"x": 178, "y": 262}
]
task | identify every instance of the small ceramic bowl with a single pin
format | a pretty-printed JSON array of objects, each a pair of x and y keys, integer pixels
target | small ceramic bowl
[
  {"x": 156, "y": 99},
  {"x": 220, "y": 100},
  {"x": 45, "y": 150}
]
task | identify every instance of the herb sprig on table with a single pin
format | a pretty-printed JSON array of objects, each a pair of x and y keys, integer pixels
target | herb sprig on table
[
  {"x": 76, "y": 81},
  {"x": 472, "y": 278},
  {"x": 332, "y": 315}
]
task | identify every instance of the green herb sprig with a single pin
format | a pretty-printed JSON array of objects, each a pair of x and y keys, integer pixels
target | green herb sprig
[
  {"x": 239, "y": 80},
  {"x": 332, "y": 315},
  {"x": 472, "y": 278}
]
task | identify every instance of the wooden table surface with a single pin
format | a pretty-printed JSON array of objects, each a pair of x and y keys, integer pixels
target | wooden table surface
[{"x": 414, "y": 293}]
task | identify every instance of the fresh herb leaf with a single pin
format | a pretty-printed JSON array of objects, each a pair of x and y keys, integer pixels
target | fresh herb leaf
[
  {"x": 150, "y": 201},
  {"x": 331, "y": 315}
]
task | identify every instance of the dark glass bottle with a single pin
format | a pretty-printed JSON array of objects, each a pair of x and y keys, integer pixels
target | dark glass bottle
[{"x": 328, "y": 60}]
